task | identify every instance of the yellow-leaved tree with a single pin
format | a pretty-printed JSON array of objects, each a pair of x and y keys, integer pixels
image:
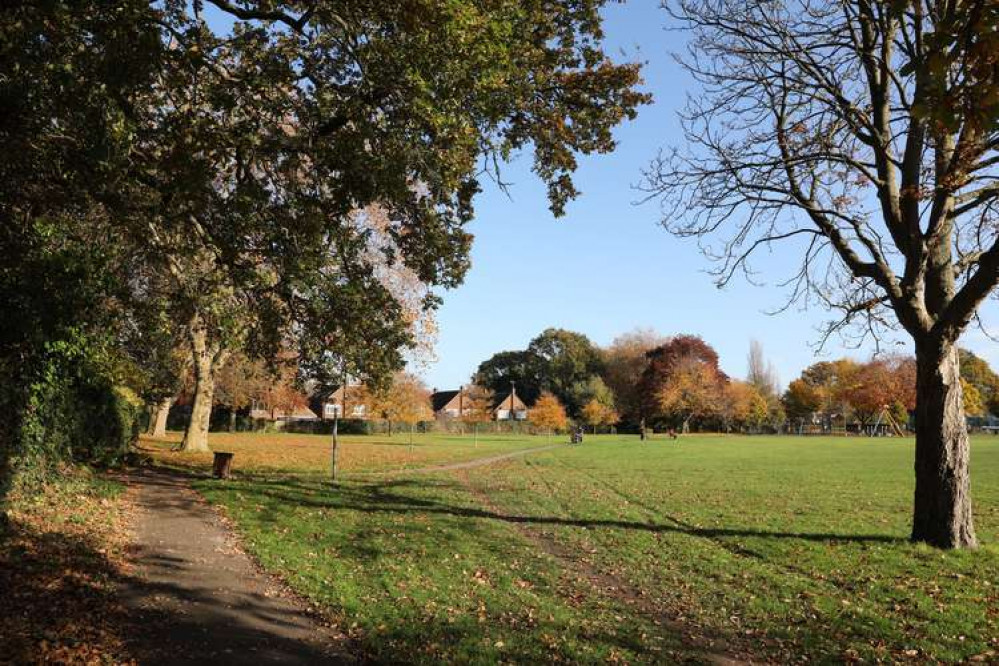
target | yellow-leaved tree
[
  {"x": 548, "y": 413},
  {"x": 694, "y": 391},
  {"x": 596, "y": 413},
  {"x": 477, "y": 407},
  {"x": 974, "y": 405},
  {"x": 405, "y": 400},
  {"x": 743, "y": 406}
]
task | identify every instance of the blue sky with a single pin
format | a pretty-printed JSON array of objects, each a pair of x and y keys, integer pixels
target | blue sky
[{"x": 607, "y": 267}]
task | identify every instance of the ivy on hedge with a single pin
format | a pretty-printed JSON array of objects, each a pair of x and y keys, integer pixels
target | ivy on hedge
[{"x": 62, "y": 406}]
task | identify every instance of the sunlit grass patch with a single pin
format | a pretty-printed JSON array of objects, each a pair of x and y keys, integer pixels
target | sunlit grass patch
[
  {"x": 311, "y": 454},
  {"x": 776, "y": 548}
]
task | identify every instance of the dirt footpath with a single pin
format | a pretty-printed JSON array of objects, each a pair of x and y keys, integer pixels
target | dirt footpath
[{"x": 197, "y": 597}]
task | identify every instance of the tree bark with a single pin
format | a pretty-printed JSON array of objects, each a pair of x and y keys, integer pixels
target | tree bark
[
  {"x": 196, "y": 435},
  {"x": 942, "y": 513},
  {"x": 158, "y": 418}
]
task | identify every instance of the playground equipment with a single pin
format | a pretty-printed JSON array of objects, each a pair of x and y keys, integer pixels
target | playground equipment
[{"x": 889, "y": 420}]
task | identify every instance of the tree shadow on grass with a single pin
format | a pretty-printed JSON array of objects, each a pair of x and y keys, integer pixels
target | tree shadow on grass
[
  {"x": 445, "y": 628},
  {"x": 386, "y": 496},
  {"x": 216, "y": 623},
  {"x": 823, "y": 636}
]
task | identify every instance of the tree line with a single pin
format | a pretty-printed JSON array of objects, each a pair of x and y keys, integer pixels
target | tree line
[
  {"x": 676, "y": 382},
  {"x": 641, "y": 379}
]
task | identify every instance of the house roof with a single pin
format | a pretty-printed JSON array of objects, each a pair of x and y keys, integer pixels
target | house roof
[
  {"x": 300, "y": 413},
  {"x": 505, "y": 402},
  {"x": 304, "y": 413},
  {"x": 337, "y": 393},
  {"x": 440, "y": 399}
]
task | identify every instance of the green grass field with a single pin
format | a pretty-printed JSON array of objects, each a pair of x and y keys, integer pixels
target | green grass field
[
  {"x": 279, "y": 453},
  {"x": 777, "y": 549}
]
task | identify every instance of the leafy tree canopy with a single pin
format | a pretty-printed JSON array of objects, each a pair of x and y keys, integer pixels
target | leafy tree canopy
[
  {"x": 666, "y": 361},
  {"x": 549, "y": 413},
  {"x": 567, "y": 360},
  {"x": 977, "y": 373},
  {"x": 520, "y": 367}
]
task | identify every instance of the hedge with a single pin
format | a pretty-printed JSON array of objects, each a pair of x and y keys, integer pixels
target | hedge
[{"x": 61, "y": 408}]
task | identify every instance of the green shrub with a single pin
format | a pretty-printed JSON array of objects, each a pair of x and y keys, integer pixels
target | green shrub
[{"x": 62, "y": 407}]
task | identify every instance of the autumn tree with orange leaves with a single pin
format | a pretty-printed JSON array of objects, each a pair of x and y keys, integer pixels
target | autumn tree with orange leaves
[
  {"x": 682, "y": 382},
  {"x": 549, "y": 414}
]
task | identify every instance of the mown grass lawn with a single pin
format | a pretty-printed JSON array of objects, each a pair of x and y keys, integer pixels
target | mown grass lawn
[
  {"x": 258, "y": 452},
  {"x": 783, "y": 549}
]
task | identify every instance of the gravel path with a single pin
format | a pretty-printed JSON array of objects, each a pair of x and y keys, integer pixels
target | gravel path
[{"x": 198, "y": 598}]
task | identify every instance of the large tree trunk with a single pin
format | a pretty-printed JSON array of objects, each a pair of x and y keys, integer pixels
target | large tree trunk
[
  {"x": 196, "y": 435},
  {"x": 158, "y": 418},
  {"x": 942, "y": 514}
]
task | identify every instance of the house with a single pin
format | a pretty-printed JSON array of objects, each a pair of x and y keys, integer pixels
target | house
[
  {"x": 345, "y": 402},
  {"x": 450, "y": 404},
  {"x": 510, "y": 407},
  {"x": 302, "y": 413}
]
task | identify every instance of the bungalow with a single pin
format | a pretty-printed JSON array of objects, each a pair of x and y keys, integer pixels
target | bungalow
[
  {"x": 450, "y": 404},
  {"x": 345, "y": 402},
  {"x": 510, "y": 407},
  {"x": 302, "y": 413}
]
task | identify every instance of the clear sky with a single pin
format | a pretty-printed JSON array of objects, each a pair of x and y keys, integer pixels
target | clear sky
[{"x": 607, "y": 267}]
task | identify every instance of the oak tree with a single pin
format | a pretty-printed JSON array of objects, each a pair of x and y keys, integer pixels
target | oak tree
[
  {"x": 687, "y": 352},
  {"x": 503, "y": 369},
  {"x": 233, "y": 149},
  {"x": 567, "y": 360},
  {"x": 694, "y": 390}
]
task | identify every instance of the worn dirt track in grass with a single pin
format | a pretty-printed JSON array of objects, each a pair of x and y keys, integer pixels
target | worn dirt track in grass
[
  {"x": 612, "y": 586},
  {"x": 470, "y": 464},
  {"x": 198, "y": 598}
]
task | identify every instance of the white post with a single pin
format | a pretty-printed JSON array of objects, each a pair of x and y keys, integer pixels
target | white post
[{"x": 335, "y": 444}]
